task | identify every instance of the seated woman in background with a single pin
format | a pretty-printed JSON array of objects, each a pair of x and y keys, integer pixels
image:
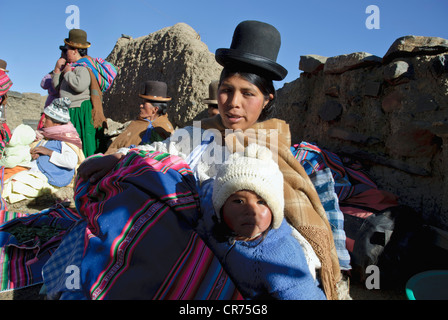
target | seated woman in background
[
  {"x": 55, "y": 156},
  {"x": 152, "y": 123}
]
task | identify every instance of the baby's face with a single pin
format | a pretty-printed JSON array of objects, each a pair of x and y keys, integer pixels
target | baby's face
[{"x": 246, "y": 214}]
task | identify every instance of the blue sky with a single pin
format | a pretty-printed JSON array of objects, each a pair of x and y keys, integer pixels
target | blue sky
[{"x": 32, "y": 31}]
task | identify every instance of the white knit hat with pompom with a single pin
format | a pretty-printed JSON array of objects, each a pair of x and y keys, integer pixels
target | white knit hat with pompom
[{"x": 253, "y": 170}]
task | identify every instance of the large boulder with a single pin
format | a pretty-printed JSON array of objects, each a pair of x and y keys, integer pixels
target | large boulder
[
  {"x": 409, "y": 46},
  {"x": 175, "y": 55}
]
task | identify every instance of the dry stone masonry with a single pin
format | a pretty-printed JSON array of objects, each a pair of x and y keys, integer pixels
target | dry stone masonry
[{"x": 390, "y": 113}]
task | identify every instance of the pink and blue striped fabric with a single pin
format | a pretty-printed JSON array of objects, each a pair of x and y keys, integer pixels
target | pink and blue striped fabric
[
  {"x": 21, "y": 263},
  {"x": 348, "y": 181},
  {"x": 5, "y": 83},
  {"x": 132, "y": 239},
  {"x": 104, "y": 71},
  {"x": 138, "y": 243}
]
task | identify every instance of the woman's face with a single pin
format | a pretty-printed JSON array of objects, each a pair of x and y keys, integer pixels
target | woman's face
[
  {"x": 147, "y": 110},
  {"x": 72, "y": 54},
  {"x": 247, "y": 214},
  {"x": 240, "y": 102},
  {"x": 48, "y": 122},
  {"x": 212, "y": 110}
]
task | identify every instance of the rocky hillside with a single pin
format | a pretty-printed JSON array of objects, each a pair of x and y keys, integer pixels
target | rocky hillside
[{"x": 390, "y": 112}]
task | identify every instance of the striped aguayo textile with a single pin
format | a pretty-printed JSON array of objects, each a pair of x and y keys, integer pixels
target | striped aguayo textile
[
  {"x": 21, "y": 262},
  {"x": 137, "y": 243}
]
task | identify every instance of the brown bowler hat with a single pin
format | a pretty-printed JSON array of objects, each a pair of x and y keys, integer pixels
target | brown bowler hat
[
  {"x": 3, "y": 65},
  {"x": 77, "y": 39},
  {"x": 154, "y": 91},
  {"x": 212, "y": 93}
]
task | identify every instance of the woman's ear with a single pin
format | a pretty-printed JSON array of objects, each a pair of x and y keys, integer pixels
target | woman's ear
[{"x": 270, "y": 98}]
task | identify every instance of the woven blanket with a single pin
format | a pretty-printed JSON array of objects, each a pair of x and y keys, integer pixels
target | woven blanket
[
  {"x": 104, "y": 71},
  {"x": 324, "y": 184},
  {"x": 5, "y": 136},
  {"x": 21, "y": 260},
  {"x": 135, "y": 242},
  {"x": 5, "y": 83},
  {"x": 348, "y": 182}
]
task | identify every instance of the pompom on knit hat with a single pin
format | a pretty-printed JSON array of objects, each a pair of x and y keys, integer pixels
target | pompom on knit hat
[
  {"x": 253, "y": 170},
  {"x": 58, "y": 110}
]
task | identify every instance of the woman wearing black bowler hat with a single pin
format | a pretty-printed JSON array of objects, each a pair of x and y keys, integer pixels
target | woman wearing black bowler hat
[
  {"x": 152, "y": 123},
  {"x": 246, "y": 97}
]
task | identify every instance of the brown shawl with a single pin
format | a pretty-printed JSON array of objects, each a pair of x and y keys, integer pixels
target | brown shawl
[
  {"x": 96, "y": 97},
  {"x": 134, "y": 132},
  {"x": 303, "y": 208}
]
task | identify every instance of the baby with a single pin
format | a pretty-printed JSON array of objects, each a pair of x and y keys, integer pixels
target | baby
[{"x": 243, "y": 224}]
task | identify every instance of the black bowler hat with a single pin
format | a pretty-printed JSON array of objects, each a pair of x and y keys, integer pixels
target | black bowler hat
[
  {"x": 255, "y": 46},
  {"x": 154, "y": 91},
  {"x": 212, "y": 93}
]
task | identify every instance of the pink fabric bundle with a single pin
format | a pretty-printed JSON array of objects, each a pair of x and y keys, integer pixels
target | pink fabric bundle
[{"x": 65, "y": 132}]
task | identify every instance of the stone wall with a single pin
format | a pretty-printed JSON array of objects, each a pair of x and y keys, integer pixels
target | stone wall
[
  {"x": 23, "y": 108},
  {"x": 390, "y": 113}
]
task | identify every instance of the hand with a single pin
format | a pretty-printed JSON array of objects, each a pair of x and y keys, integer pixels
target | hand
[
  {"x": 67, "y": 68},
  {"x": 37, "y": 151},
  {"x": 61, "y": 63},
  {"x": 95, "y": 169}
]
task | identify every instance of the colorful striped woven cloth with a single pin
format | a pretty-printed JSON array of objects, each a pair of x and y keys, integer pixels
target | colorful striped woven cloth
[
  {"x": 136, "y": 244},
  {"x": 5, "y": 83},
  {"x": 5, "y": 136},
  {"x": 104, "y": 71},
  {"x": 334, "y": 183},
  {"x": 21, "y": 262},
  {"x": 348, "y": 182}
]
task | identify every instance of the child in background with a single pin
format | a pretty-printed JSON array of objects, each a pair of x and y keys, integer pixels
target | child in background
[
  {"x": 243, "y": 224},
  {"x": 55, "y": 156}
]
